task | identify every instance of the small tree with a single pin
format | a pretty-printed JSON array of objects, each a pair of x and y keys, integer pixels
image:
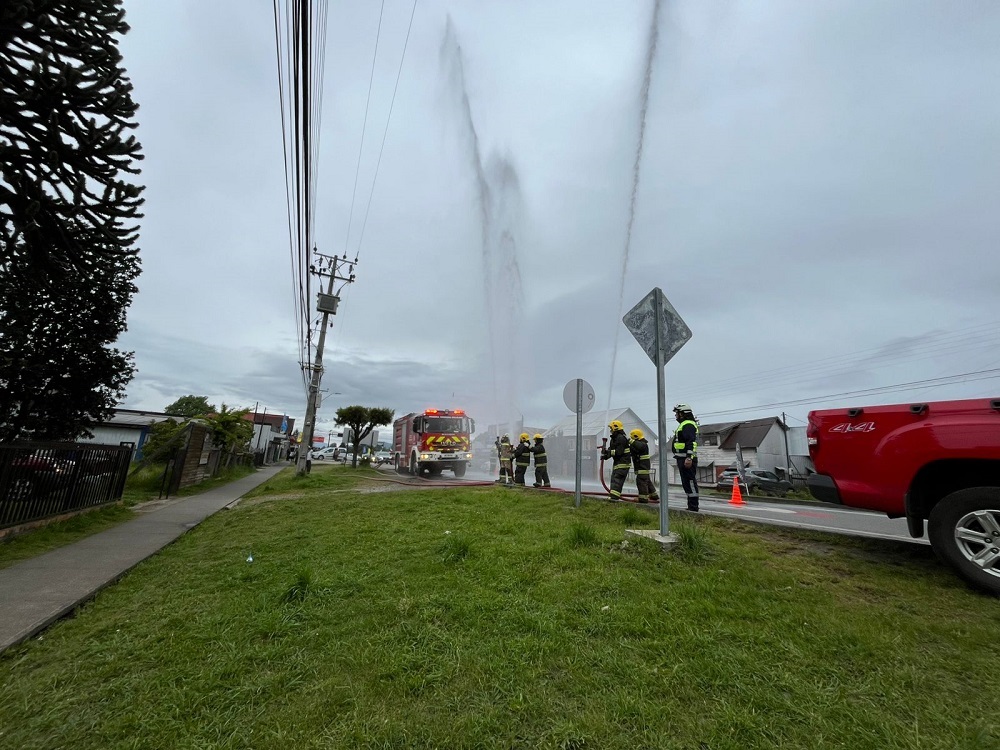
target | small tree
[
  {"x": 190, "y": 407},
  {"x": 164, "y": 439},
  {"x": 362, "y": 420},
  {"x": 230, "y": 429}
]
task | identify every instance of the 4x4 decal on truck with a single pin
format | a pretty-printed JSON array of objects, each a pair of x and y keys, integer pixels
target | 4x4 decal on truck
[{"x": 852, "y": 427}]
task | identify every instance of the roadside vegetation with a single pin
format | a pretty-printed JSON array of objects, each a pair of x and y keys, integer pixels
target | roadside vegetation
[
  {"x": 316, "y": 615},
  {"x": 141, "y": 487}
]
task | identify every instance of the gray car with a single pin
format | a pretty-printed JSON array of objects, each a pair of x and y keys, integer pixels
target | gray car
[{"x": 767, "y": 482}]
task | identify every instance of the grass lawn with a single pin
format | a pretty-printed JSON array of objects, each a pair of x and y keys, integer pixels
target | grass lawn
[
  {"x": 375, "y": 617},
  {"x": 140, "y": 487}
]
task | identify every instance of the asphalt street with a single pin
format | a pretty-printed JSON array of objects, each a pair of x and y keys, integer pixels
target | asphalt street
[{"x": 790, "y": 513}]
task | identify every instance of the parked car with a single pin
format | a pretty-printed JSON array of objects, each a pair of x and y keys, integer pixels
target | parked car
[
  {"x": 766, "y": 481},
  {"x": 381, "y": 457},
  {"x": 324, "y": 454}
]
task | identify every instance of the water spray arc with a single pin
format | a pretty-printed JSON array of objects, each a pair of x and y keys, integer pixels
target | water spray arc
[
  {"x": 652, "y": 40},
  {"x": 499, "y": 206}
]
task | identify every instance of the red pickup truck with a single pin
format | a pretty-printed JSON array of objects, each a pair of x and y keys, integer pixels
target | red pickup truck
[{"x": 937, "y": 462}]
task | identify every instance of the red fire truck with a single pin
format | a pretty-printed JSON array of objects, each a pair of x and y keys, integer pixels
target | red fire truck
[{"x": 431, "y": 441}]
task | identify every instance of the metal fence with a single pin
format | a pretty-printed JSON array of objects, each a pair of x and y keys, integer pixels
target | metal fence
[{"x": 40, "y": 480}]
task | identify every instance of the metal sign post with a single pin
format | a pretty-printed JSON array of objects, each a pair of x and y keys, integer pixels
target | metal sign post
[
  {"x": 579, "y": 398},
  {"x": 661, "y": 332}
]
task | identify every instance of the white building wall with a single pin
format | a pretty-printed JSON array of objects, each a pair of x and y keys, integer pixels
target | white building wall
[{"x": 771, "y": 451}]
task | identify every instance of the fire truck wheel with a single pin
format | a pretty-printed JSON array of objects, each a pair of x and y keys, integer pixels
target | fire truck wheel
[
  {"x": 399, "y": 468},
  {"x": 414, "y": 466},
  {"x": 459, "y": 470},
  {"x": 964, "y": 530}
]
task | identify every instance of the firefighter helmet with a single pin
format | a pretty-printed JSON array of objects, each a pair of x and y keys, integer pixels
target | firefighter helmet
[
  {"x": 505, "y": 439},
  {"x": 636, "y": 434},
  {"x": 538, "y": 436},
  {"x": 616, "y": 425},
  {"x": 683, "y": 409},
  {"x": 524, "y": 436}
]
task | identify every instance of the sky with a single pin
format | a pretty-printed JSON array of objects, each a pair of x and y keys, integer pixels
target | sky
[{"x": 817, "y": 198}]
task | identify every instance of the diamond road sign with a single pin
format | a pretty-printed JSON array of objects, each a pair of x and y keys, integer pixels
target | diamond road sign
[{"x": 641, "y": 321}]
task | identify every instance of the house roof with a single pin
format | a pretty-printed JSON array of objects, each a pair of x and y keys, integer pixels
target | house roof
[
  {"x": 749, "y": 434},
  {"x": 596, "y": 421},
  {"x": 136, "y": 418}
]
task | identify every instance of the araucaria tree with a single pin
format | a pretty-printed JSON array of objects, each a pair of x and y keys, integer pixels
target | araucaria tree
[{"x": 69, "y": 211}]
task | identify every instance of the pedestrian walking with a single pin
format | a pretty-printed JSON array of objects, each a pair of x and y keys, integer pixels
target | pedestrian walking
[
  {"x": 522, "y": 459},
  {"x": 639, "y": 448},
  {"x": 618, "y": 452},
  {"x": 686, "y": 453},
  {"x": 541, "y": 463}
]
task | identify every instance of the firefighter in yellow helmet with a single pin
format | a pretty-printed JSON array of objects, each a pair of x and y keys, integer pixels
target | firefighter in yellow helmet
[
  {"x": 541, "y": 463},
  {"x": 618, "y": 452},
  {"x": 639, "y": 448},
  {"x": 522, "y": 458},
  {"x": 506, "y": 466},
  {"x": 686, "y": 452}
]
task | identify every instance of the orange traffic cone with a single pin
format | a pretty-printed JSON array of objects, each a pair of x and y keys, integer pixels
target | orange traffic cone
[{"x": 737, "y": 497}]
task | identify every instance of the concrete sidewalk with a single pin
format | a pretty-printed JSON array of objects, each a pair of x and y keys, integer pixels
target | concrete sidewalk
[{"x": 35, "y": 593}]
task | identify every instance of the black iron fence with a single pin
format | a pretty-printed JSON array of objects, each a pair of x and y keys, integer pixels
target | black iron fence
[{"x": 40, "y": 480}]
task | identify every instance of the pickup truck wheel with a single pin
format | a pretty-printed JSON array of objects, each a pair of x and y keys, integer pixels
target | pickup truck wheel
[{"x": 964, "y": 530}]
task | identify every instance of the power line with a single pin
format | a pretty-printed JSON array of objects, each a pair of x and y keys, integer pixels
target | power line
[
  {"x": 388, "y": 119},
  {"x": 914, "y": 385},
  {"x": 976, "y": 337},
  {"x": 364, "y": 127}
]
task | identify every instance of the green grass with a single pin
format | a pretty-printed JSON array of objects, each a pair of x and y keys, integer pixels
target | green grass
[
  {"x": 481, "y": 618},
  {"x": 140, "y": 487},
  {"x": 45, "y": 538}
]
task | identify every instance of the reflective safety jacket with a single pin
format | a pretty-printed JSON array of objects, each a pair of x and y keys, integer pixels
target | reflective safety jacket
[
  {"x": 522, "y": 454},
  {"x": 541, "y": 460},
  {"x": 506, "y": 451},
  {"x": 686, "y": 439},
  {"x": 618, "y": 450},
  {"x": 639, "y": 449}
]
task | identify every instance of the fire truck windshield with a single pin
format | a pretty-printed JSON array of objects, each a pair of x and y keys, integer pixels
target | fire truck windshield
[{"x": 446, "y": 425}]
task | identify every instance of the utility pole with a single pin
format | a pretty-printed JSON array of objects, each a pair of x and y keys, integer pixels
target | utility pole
[
  {"x": 335, "y": 269},
  {"x": 788, "y": 461}
]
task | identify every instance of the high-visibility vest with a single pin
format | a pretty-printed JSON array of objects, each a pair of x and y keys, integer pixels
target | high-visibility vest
[{"x": 680, "y": 446}]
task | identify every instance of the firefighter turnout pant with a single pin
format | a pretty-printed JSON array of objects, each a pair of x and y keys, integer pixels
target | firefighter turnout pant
[
  {"x": 506, "y": 471},
  {"x": 645, "y": 486},
  {"x": 689, "y": 480},
  {"x": 542, "y": 475},
  {"x": 520, "y": 469},
  {"x": 619, "y": 473}
]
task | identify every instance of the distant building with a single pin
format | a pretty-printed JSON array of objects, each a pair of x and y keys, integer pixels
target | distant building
[
  {"x": 762, "y": 443},
  {"x": 127, "y": 426},
  {"x": 560, "y": 441}
]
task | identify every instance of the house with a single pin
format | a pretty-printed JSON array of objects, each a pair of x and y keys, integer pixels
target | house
[
  {"x": 560, "y": 440},
  {"x": 126, "y": 426},
  {"x": 270, "y": 435},
  {"x": 765, "y": 443}
]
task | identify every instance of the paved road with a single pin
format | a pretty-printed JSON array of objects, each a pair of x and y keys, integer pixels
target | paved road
[{"x": 816, "y": 517}]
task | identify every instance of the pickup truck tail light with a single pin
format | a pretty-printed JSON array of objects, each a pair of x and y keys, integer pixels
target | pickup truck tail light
[{"x": 812, "y": 434}]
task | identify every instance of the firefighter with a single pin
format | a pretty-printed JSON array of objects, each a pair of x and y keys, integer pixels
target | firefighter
[
  {"x": 639, "y": 448},
  {"x": 686, "y": 453},
  {"x": 541, "y": 463},
  {"x": 522, "y": 459},
  {"x": 618, "y": 452},
  {"x": 506, "y": 452}
]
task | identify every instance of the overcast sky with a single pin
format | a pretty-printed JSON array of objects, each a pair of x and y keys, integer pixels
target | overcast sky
[{"x": 818, "y": 198}]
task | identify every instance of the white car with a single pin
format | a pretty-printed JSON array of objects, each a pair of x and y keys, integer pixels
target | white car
[
  {"x": 324, "y": 454},
  {"x": 381, "y": 457}
]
